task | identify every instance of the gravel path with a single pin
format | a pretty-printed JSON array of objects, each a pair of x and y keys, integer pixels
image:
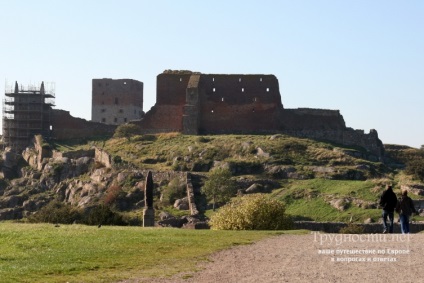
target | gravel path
[{"x": 301, "y": 258}]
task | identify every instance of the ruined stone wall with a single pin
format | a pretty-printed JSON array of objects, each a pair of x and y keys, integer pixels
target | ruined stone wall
[
  {"x": 167, "y": 114},
  {"x": 65, "y": 126},
  {"x": 311, "y": 119},
  {"x": 239, "y": 103},
  {"x": 194, "y": 103},
  {"x": 162, "y": 119},
  {"x": 191, "y": 117},
  {"x": 115, "y": 102},
  {"x": 171, "y": 88}
]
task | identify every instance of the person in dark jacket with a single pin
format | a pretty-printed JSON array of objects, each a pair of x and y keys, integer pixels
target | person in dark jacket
[
  {"x": 405, "y": 208},
  {"x": 388, "y": 202}
]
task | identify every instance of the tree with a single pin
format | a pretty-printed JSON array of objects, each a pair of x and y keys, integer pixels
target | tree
[
  {"x": 219, "y": 188},
  {"x": 126, "y": 131},
  {"x": 415, "y": 167}
]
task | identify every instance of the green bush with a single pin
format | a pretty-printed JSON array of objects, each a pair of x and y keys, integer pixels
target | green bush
[
  {"x": 56, "y": 212},
  {"x": 352, "y": 228},
  {"x": 252, "y": 212},
  {"x": 62, "y": 213},
  {"x": 415, "y": 167},
  {"x": 126, "y": 131},
  {"x": 103, "y": 215}
]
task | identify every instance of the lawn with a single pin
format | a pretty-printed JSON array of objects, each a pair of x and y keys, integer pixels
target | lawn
[{"x": 77, "y": 253}]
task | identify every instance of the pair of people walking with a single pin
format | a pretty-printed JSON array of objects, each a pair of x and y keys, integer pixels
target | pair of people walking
[{"x": 404, "y": 206}]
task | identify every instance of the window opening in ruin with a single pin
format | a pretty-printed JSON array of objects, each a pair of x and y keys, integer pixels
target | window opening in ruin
[
  {"x": 267, "y": 89},
  {"x": 115, "y": 120},
  {"x": 103, "y": 110},
  {"x": 260, "y": 79},
  {"x": 121, "y": 110},
  {"x": 125, "y": 120},
  {"x": 254, "y": 99},
  {"x": 253, "y": 110},
  {"x": 213, "y": 79},
  {"x": 125, "y": 83},
  {"x": 222, "y": 99},
  {"x": 181, "y": 79},
  {"x": 104, "y": 120},
  {"x": 103, "y": 93},
  {"x": 239, "y": 79},
  {"x": 212, "y": 111},
  {"x": 213, "y": 89},
  {"x": 242, "y": 89},
  {"x": 116, "y": 100}
]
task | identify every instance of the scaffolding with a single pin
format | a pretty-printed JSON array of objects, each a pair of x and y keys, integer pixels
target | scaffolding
[{"x": 27, "y": 112}]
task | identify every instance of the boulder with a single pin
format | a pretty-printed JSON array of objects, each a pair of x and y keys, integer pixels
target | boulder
[
  {"x": 182, "y": 204},
  {"x": 165, "y": 215},
  {"x": 255, "y": 188}
]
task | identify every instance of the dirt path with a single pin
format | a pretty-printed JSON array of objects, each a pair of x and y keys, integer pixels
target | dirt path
[{"x": 300, "y": 258}]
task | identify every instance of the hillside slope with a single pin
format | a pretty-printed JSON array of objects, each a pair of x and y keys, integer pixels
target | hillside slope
[{"x": 317, "y": 180}]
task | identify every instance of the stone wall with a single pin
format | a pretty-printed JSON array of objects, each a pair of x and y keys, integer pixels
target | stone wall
[
  {"x": 73, "y": 154},
  {"x": 239, "y": 104},
  {"x": 194, "y": 103},
  {"x": 115, "y": 102},
  {"x": 65, "y": 127},
  {"x": 190, "y": 196}
]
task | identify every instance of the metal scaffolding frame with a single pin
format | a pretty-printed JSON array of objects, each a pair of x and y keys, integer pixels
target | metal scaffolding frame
[{"x": 27, "y": 112}]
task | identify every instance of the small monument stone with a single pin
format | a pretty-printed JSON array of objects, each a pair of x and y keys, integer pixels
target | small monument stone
[{"x": 148, "y": 211}]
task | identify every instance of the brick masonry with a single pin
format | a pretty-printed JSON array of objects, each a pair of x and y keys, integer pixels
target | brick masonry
[
  {"x": 195, "y": 103},
  {"x": 115, "y": 102}
]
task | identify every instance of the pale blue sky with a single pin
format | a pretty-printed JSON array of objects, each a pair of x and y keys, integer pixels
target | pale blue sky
[{"x": 364, "y": 58}]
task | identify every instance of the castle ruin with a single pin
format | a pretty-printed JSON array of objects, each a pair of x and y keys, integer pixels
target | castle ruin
[
  {"x": 195, "y": 103},
  {"x": 188, "y": 102},
  {"x": 116, "y": 102}
]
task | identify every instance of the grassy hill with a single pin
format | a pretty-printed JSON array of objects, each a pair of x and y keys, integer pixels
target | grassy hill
[{"x": 317, "y": 180}]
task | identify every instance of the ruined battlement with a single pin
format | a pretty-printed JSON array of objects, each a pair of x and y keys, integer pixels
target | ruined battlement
[
  {"x": 315, "y": 111},
  {"x": 192, "y": 103},
  {"x": 116, "y": 101},
  {"x": 197, "y": 103}
]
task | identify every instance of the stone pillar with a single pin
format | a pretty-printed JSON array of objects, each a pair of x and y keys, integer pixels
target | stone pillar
[
  {"x": 148, "y": 211},
  {"x": 148, "y": 217}
]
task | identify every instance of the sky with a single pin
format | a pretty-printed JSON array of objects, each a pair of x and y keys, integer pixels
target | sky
[{"x": 362, "y": 57}]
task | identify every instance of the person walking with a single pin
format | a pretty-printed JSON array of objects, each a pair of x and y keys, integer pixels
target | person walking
[
  {"x": 405, "y": 208},
  {"x": 388, "y": 202}
]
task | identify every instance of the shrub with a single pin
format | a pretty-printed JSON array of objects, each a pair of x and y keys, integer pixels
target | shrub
[
  {"x": 126, "y": 131},
  {"x": 352, "y": 228},
  {"x": 103, "y": 215},
  {"x": 112, "y": 194},
  {"x": 415, "y": 167},
  {"x": 56, "y": 212},
  {"x": 251, "y": 212},
  {"x": 202, "y": 139}
]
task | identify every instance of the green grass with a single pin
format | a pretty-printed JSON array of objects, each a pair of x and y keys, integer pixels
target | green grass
[
  {"x": 306, "y": 199},
  {"x": 76, "y": 253},
  {"x": 158, "y": 152}
]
